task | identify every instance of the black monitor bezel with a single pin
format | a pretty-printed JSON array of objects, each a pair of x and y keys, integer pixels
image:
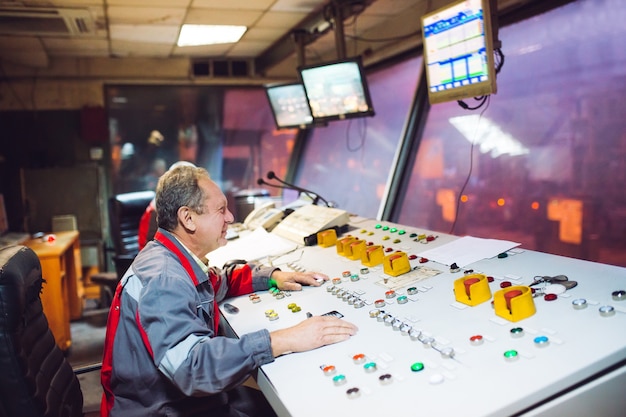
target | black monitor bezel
[
  {"x": 364, "y": 85},
  {"x": 270, "y": 87},
  {"x": 473, "y": 90}
]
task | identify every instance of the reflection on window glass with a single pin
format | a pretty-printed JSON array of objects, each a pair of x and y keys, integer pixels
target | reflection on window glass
[
  {"x": 545, "y": 163},
  {"x": 227, "y": 130},
  {"x": 252, "y": 145},
  {"x": 355, "y": 156},
  {"x": 150, "y": 129}
]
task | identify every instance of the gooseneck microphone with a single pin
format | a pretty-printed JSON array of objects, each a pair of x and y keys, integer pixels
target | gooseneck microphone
[
  {"x": 272, "y": 176},
  {"x": 261, "y": 181}
]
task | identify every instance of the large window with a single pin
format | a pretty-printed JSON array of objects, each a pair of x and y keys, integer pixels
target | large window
[
  {"x": 547, "y": 167},
  {"x": 228, "y": 130},
  {"x": 252, "y": 145},
  {"x": 348, "y": 162}
]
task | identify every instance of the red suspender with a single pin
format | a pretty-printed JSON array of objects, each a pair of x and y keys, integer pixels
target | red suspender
[
  {"x": 105, "y": 374},
  {"x": 183, "y": 259},
  {"x": 187, "y": 265}
]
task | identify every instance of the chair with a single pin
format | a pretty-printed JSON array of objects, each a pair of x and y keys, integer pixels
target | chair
[
  {"x": 35, "y": 378},
  {"x": 125, "y": 211}
]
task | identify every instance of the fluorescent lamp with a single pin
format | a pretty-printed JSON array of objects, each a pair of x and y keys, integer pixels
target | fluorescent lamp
[
  {"x": 488, "y": 135},
  {"x": 194, "y": 35}
]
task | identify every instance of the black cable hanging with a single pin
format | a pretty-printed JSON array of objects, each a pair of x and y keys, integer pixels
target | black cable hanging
[{"x": 482, "y": 99}]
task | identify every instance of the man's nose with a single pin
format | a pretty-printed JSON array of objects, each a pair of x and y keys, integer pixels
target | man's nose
[{"x": 230, "y": 218}]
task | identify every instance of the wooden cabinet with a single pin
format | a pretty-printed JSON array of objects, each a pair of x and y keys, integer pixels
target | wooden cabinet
[{"x": 62, "y": 294}]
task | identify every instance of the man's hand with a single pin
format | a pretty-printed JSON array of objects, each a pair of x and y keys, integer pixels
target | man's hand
[
  {"x": 293, "y": 281},
  {"x": 310, "y": 334}
]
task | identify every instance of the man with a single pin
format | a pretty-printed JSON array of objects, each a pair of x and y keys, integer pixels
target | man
[
  {"x": 162, "y": 353},
  {"x": 147, "y": 223}
]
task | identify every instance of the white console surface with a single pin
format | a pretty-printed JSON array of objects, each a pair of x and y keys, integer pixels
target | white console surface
[{"x": 517, "y": 366}]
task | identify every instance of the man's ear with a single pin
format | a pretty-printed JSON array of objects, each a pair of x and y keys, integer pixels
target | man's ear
[{"x": 187, "y": 219}]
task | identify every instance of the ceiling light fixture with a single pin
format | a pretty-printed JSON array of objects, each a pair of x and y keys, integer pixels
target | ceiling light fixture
[
  {"x": 195, "y": 35},
  {"x": 488, "y": 135}
]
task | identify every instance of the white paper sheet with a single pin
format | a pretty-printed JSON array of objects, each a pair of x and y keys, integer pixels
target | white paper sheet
[
  {"x": 252, "y": 246},
  {"x": 466, "y": 250}
]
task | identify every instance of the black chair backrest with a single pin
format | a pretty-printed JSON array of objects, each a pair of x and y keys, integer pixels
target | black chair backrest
[
  {"x": 35, "y": 378},
  {"x": 125, "y": 211}
]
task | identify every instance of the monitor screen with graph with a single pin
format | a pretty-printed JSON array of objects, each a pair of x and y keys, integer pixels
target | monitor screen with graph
[{"x": 458, "y": 51}]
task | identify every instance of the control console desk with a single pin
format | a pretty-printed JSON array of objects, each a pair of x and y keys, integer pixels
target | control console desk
[{"x": 423, "y": 349}]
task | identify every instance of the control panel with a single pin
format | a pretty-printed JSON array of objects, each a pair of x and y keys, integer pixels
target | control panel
[
  {"x": 502, "y": 336},
  {"x": 308, "y": 220}
]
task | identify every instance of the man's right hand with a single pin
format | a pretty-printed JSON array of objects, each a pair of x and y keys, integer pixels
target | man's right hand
[{"x": 310, "y": 334}]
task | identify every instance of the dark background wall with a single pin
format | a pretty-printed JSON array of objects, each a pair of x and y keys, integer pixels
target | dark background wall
[{"x": 48, "y": 148}]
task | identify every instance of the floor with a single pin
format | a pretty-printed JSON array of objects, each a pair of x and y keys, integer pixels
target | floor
[{"x": 87, "y": 344}]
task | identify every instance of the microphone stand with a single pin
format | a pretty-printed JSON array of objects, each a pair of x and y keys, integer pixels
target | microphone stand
[
  {"x": 316, "y": 197},
  {"x": 261, "y": 181}
]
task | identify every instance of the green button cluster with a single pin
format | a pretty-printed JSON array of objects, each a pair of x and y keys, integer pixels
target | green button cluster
[{"x": 417, "y": 367}]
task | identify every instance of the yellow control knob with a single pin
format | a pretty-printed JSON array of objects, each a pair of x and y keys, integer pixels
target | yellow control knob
[
  {"x": 514, "y": 303},
  {"x": 472, "y": 289},
  {"x": 396, "y": 264},
  {"x": 372, "y": 255},
  {"x": 327, "y": 238},
  {"x": 355, "y": 249},
  {"x": 343, "y": 243}
]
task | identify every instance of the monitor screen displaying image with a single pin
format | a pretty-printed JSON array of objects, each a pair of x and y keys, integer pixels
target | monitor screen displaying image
[
  {"x": 289, "y": 106},
  {"x": 337, "y": 90},
  {"x": 458, "y": 51}
]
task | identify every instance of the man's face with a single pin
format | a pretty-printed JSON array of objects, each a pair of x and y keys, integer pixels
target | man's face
[{"x": 213, "y": 222}]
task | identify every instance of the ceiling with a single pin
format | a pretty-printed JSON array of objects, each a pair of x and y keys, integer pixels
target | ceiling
[{"x": 35, "y": 32}]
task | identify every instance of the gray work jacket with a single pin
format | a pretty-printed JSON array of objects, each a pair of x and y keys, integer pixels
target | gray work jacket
[{"x": 162, "y": 353}]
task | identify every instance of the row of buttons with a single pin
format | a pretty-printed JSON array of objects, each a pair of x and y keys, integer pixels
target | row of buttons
[
  {"x": 369, "y": 367},
  {"x": 407, "y": 330},
  {"x": 423, "y": 237},
  {"x": 351, "y": 298}
]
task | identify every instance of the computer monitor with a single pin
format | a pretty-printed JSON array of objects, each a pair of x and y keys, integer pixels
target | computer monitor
[
  {"x": 289, "y": 106},
  {"x": 458, "y": 51},
  {"x": 337, "y": 90}
]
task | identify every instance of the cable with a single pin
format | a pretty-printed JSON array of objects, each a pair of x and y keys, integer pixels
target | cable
[
  {"x": 469, "y": 173},
  {"x": 499, "y": 62},
  {"x": 481, "y": 99},
  {"x": 363, "y": 121},
  {"x": 395, "y": 38},
  {"x": 362, "y": 133}
]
